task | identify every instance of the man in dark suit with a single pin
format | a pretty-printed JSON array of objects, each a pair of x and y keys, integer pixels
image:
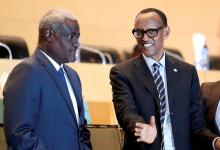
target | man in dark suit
[
  {"x": 42, "y": 96},
  {"x": 210, "y": 92},
  {"x": 156, "y": 96},
  {"x": 210, "y": 98}
]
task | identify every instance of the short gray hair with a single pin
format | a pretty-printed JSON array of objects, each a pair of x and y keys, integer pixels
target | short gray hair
[{"x": 55, "y": 18}]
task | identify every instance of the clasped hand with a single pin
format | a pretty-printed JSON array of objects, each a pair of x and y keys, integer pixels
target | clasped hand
[{"x": 146, "y": 132}]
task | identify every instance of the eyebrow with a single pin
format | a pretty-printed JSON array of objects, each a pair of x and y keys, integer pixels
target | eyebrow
[{"x": 150, "y": 28}]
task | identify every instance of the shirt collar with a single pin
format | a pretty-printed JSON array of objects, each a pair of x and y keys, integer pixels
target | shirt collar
[
  {"x": 151, "y": 61},
  {"x": 54, "y": 63}
]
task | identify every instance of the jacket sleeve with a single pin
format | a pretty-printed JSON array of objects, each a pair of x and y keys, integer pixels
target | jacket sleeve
[
  {"x": 21, "y": 105},
  {"x": 85, "y": 138},
  {"x": 123, "y": 100},
  {"x": 201, "y": 133}
]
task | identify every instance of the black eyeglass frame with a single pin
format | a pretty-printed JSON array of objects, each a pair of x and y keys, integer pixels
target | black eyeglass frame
[{"x": 146, "y": 32}]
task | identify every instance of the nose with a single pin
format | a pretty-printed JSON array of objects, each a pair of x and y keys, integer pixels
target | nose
[
  {"x": 75, "y": 43},
  {"x": 145, "y": 37}
]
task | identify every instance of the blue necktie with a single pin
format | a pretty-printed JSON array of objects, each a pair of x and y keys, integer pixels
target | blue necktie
[
  {"x": 62, "y": 77},
  {"x": 69, "y": 101},
  {"x": 161, "y": 91},
  {"x": 61, "y": 74}
]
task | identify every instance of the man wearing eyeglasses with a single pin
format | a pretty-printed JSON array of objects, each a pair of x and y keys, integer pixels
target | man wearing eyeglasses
[{"x": 156, "y": 96}]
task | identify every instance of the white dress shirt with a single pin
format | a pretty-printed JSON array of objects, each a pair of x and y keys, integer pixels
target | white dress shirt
[
  {"x": 70, "y": 89},
  {"x": 168, "y": 135}
]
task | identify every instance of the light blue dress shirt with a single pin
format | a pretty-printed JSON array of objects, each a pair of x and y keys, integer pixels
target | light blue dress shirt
[{"x": 168, "y": 135}]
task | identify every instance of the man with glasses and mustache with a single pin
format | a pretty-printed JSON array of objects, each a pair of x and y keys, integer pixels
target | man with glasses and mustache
[{"x": 156, "y": 97}]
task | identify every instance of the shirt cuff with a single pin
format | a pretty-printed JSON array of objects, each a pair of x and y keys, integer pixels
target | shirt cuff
[{"x": 213, "y": 143}]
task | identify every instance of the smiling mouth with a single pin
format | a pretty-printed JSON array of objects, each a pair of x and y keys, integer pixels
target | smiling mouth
[{"x": 148, "y": 45}]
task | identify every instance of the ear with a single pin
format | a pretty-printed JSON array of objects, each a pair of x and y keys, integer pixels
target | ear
[
  {"x": 48, "y": 33},
  {"x": 166, "y": 32}
]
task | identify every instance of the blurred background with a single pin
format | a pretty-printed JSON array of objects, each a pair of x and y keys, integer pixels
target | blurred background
[{"x": 109, "y": 23}]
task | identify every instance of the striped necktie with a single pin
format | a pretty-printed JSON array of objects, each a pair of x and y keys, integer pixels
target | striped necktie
[{"x": 161, "y": 91}]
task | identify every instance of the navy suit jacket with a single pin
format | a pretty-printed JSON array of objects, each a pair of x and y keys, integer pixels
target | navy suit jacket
[
  {"x": 136, "y": 99},
  {"x": 38, "y": 110}
]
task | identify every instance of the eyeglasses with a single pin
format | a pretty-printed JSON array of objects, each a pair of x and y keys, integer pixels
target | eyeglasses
[{"x": 151, "y": 33}]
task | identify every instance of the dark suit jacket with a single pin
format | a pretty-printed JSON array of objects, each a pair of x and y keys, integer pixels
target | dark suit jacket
[
  {"x": 210, "y": 92},
  {"x": 136, "y": 99},
  {"x": 38, "y": 110}
]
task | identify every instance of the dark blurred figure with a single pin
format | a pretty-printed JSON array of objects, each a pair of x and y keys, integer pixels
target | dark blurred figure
[
  {"x": 210, "y": 92},
  {"x": 17, "y": 46},
  {"x": 214, "y": 62},
  {"x": 210, "y": 96}
]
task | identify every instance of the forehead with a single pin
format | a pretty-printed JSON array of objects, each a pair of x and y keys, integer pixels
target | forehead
[
  {"x": 70, "y": 26},
  {"x": 148, "y": 20}
]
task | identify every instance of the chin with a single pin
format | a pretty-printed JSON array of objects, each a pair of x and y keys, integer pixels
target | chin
[
  {"x": 148, "y": 53},
  {"x": 72, "y": 59}
]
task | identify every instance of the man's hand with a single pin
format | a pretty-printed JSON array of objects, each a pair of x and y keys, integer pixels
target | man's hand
[{"x": 146, "y": 132}]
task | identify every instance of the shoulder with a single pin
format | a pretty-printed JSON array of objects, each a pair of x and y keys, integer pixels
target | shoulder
[
  {"x": 125, "y": 65},
  {"x": 25, "y": 75},
  {"x": 26, "y": 72},
  {"x": 182, "y": 65},
  {"x": 211, "y": 85},
  {"x": 125, "y": 70},
  {"x": 28, "y": 65}
]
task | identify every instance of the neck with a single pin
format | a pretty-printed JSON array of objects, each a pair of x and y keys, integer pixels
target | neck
[{"x": 158, "y": 57}]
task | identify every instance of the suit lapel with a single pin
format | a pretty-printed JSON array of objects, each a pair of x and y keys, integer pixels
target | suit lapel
[
  {"x": 144, "y": 74},
  {"x": 172, "y": 73},
  {"x": 54, "y": 75}
]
